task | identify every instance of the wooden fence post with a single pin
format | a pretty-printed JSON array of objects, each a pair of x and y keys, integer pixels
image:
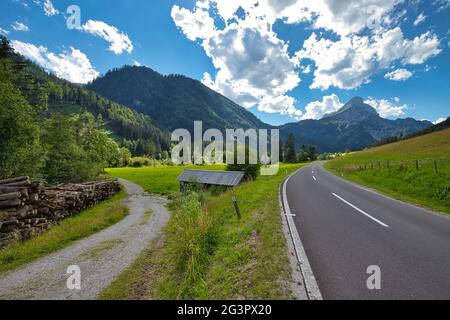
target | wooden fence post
[
  {"x": 436, "y": 166},
  {"x": 417, "y": 165},
  {"x": 236, "y": 206}
]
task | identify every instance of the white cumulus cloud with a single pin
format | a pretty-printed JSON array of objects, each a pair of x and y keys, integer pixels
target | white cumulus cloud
[
  {"x": 317, "y": 109},
  {"x": 3, "y": 31},
  {"x": 351, "y": 61},
  {"x": 195, "y": 24},
  {"x": 386, "y": 108},
  {"x": 439, "y": 120},
  {"x": 399, "y": 75},
  {"x": 72, "y": 65},
  {"x": 119, "y": 41},
  {"x": 137, "y": 63},
  {"x": 254, "y": 67}
]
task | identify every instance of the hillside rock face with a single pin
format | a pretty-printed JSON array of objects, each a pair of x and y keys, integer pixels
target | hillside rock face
[{"x": 355, "y": 126}]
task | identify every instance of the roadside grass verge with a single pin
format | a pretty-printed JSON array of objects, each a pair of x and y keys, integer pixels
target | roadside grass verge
[
  {"x": 209, "y": 253},
  {"x": 65, "y": 233},
  {"x": 393, "y": 170},
  {"x": 160, "y": 180}
]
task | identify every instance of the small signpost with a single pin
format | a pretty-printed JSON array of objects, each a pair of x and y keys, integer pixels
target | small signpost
[{"x": 236, "y": 206}]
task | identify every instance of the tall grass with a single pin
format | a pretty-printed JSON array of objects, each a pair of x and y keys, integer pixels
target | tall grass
[{"x": 191, "y": 238}]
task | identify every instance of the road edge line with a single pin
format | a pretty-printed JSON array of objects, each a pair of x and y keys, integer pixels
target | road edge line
[{"x": 294, "y": 242}]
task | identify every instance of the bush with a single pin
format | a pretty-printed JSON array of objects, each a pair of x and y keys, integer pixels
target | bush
[
  {"x": 138, "y": 162},
  {"x": 251, "y": 170}
]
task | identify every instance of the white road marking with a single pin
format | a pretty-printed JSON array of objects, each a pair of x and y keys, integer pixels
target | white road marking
[
  {"x": 361, "y": 211},
  {"x": 314, "y": 178}
]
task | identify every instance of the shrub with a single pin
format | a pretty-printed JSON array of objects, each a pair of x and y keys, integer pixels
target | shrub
[{"x": 138, "y": 162}]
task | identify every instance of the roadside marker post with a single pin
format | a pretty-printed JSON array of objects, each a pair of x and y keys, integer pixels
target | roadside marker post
[{"x": 236, "y": 206}]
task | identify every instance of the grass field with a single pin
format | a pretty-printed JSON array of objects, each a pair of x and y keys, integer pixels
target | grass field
[
  {"x": 65, "y": 233},
  {"x": 208, "y": 253},
  {"x": 415, "y": 170},
  {"x": 160, "y": 180}
]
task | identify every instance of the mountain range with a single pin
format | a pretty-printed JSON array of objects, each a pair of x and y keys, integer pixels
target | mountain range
[
  {"x": 176, "y": 101},
  {"x": 141, "y": 107},
  {"x": 355, "y": 126}
]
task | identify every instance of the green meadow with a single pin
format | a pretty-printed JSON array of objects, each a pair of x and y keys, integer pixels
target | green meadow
[
  {"x": 415, "y": 170},
  {"x": 158, "y": 180}
]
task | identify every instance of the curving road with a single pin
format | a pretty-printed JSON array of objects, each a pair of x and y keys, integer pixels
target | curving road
[{"x": 345, "y": 228}]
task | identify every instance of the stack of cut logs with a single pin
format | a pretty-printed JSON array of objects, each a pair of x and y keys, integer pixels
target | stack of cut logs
[{"x": 28, "y": 208}]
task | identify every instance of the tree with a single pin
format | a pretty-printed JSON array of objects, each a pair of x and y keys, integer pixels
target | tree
[
  {"x": 67, "y": 160},
  {"x": 20, "y": 151},
  {"x": 125, "y": 157},
  {"x": 312, "y": 153},
  {"x": 5, "y": 48},
  {"x": 303, "y": 155},
  {"x": 289, "y": 154},
  {"x": 252, "y": 171},
  {"x": 281, "y": 151},
  {"x": 99, "y": 148}
]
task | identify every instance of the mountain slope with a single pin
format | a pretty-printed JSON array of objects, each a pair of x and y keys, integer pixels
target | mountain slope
[
  {"x": 173, "y": 101},
  {"x": 136, "y": 131},
  {"x": 355, "y": 126}
]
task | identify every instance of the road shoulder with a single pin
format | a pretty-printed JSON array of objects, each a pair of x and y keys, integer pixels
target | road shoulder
[{"x": 304, "y": 284}]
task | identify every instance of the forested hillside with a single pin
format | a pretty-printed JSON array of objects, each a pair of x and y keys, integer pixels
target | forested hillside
[
  {"x": 53, "y": 129},
  {"x": 173, "y": 101},
  {"x": 51, "y": 94}
]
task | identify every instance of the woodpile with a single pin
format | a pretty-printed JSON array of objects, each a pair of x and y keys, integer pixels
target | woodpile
[{"x": 28, "y": 208}]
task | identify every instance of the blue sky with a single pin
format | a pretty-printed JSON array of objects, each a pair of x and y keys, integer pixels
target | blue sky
[{"x": 283, "y": 60}]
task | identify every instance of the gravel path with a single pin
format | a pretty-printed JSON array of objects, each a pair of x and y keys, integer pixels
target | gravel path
[{"x": 101, "y": 257}]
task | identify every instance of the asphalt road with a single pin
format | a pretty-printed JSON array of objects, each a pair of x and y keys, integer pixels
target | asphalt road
[{"x": 345, "y": 229}]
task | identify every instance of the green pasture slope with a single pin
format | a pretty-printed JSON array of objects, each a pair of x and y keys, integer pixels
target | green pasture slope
[{"x": 415, "y": 170}]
